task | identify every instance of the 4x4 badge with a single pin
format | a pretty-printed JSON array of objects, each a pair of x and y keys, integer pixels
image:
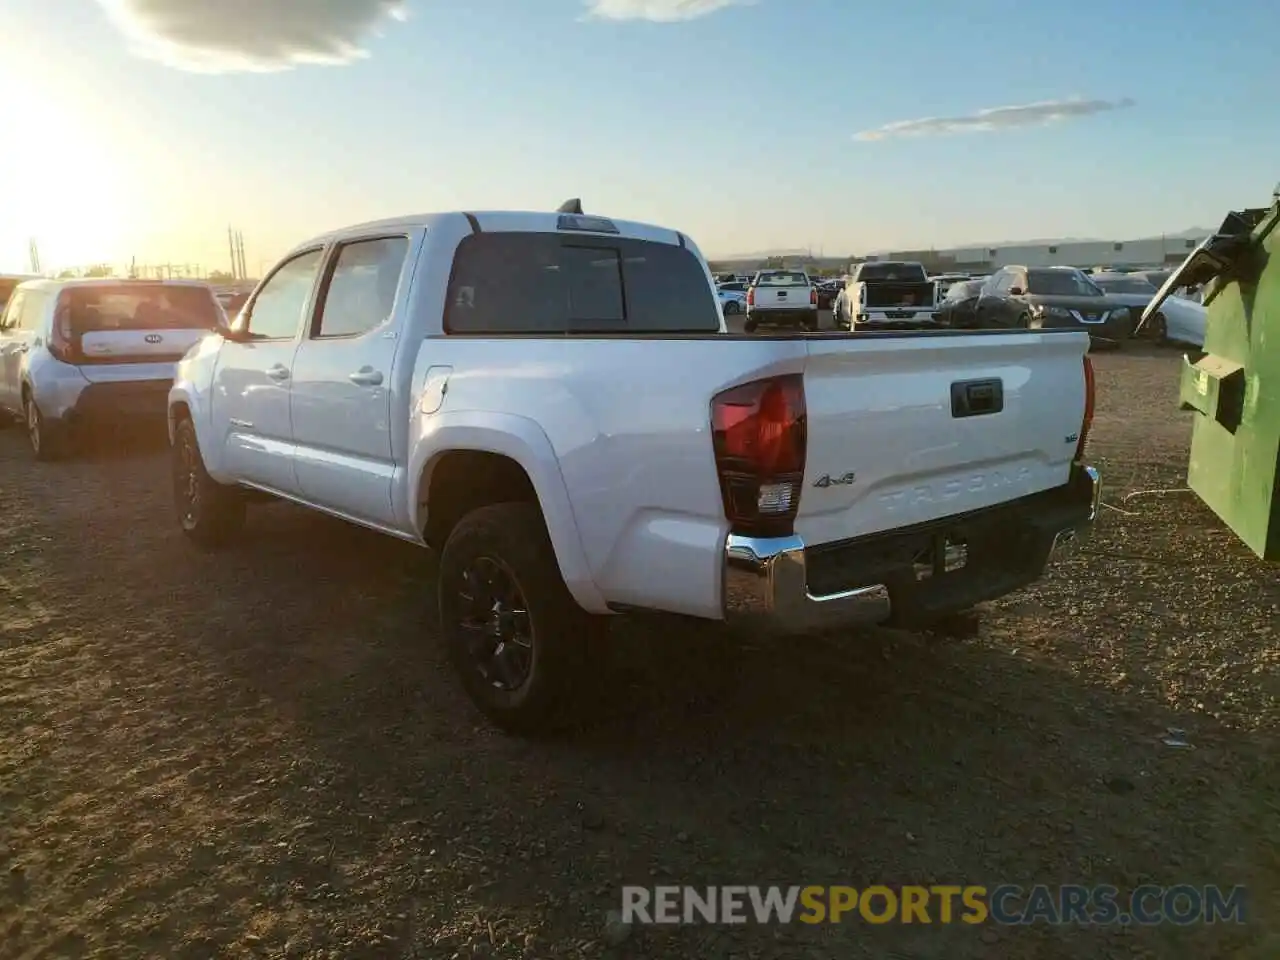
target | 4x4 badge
[{"x": 826, "y": 480}]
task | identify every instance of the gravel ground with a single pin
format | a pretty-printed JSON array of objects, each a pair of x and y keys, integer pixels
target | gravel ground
[{"x": 261, "y": 753}]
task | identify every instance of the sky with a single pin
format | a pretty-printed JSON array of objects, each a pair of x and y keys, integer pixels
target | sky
[{"x": 143, "y": 128}]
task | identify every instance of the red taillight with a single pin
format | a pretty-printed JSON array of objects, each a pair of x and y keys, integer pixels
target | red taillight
[
  {"x": 813, "y": 296},
  {"x": 751, "y": 296},
  {"x": 1089, "y": 392},
  {"x": 759, "y": 435},
  {"x": 61, "y": 343}
]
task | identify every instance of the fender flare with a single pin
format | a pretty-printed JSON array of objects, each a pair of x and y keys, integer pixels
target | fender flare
[{"x": 523, "y": 441}]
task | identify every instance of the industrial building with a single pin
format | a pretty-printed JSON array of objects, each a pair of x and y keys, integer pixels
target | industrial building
[{"x": 1145, "y": 252}]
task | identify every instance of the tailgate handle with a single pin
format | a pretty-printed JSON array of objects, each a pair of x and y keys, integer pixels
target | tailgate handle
[{"x": 976, "y": 398}]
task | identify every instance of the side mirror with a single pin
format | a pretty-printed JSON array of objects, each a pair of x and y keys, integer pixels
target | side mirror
[{"x": 1015, "y": 291}]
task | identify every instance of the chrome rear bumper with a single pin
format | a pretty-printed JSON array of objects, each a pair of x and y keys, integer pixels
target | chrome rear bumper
[{"x": 767, "y": 580}]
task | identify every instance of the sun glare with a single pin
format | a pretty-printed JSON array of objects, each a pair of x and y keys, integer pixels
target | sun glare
[{"x": 64, "y": 180}]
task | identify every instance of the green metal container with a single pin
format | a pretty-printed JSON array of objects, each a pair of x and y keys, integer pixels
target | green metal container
[{"x": 1234, "y": 388}]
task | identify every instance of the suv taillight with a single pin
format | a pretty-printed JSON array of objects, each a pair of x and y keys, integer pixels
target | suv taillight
[
  {"x": 760, "y": 435},
  {"x": 61, "y": 342},
  {"x": 1089, "y": 393}
]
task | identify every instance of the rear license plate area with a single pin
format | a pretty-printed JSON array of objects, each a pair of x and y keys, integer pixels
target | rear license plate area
[{"x": 946, "y": 554}]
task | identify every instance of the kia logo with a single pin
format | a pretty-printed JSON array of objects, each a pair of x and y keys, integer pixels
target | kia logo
[{"x": 153, "y": 338}]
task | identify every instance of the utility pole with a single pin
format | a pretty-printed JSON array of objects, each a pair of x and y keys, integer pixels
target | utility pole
[
  {"x": 33, "y": 253},
  {"x": 244, "y": 269},
  {"x": 231, "y": 246}
]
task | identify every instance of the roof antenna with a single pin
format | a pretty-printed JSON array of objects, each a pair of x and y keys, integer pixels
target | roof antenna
[{"x": 571, "y": 206}]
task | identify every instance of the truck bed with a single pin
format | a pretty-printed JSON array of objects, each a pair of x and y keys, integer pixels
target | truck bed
[{"x": 641, "y": 475}]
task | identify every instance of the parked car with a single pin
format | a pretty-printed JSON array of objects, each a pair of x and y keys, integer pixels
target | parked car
[
  {"x": 1053, "y": 297},
  {"x": 468, "y": 381},
  {"x": 782, "y": 298},
  {"x": 9, "y": 282},
  {"x": 232, "y": 302},
  {"x": 887, "y": 295},
  {"x": 732, "y": 302},
  {"x": 80, "y": 354},
  {"x": 1178, "y": 320},
  {"x": 945, "y": 281},
  {"x": 828, "y": 290},
  {"x": 959, "y": 308}
]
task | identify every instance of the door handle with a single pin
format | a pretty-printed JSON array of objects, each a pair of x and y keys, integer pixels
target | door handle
[
  {"x": 278, "y": 372},
  {"x": 365, "y": 377}
]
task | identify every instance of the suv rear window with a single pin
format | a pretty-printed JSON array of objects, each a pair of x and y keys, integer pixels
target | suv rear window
[
  {"x": 551, "y": 284},
  {"x": 125, "y": 306}
]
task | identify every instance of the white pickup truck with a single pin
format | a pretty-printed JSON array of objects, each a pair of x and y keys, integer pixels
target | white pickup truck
[
  {"x": 783, "y": 298},
  {"x": 887, "y": 295},
  {"x": 552, "y": 402}
]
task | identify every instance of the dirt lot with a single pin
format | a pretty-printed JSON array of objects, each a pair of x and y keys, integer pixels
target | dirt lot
[{"x": 261, "y": 753}]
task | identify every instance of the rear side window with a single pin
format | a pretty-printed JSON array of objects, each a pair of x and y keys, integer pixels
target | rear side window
[
  {"x": 550, "y": 284},
  {"x": 361, "y": 291},
  {"x": 126, "y": 306}
]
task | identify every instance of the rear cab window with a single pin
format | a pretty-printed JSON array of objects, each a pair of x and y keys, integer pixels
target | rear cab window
[
  {"x": 894, "y": 272},
  {"x": 782, "y": 278},
  {"x": 547, "y": 283}
]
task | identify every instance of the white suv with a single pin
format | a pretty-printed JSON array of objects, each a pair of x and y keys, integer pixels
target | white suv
[{"x": 75, "y": 354}]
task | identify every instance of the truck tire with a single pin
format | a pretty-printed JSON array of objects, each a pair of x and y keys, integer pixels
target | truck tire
[
  {"x": 811, "y": 322},
  {"x": 514, "y": 634},
  {"x": 210, "y": 513},
  {"x": 1159, "y": 330},
  {"x": 750, "y": 325}
]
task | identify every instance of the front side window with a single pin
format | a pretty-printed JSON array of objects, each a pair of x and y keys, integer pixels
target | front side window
[
  {"x": 11, "y": 315},
  {"x": 276, "y": 312},
  {"x": 7, "y": 286},
  {"x": 361, "y": 293},
  {"x": 545, "y": 283}
]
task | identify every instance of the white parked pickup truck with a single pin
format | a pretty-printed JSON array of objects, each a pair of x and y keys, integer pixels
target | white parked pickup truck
[
  {"x": 782, "y": 297},
  {"x": 552, "y": 402},
  {"x": 887, "y": 295}
]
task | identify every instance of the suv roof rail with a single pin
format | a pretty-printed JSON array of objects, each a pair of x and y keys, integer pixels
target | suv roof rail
[{"x": 570, "y": 206}]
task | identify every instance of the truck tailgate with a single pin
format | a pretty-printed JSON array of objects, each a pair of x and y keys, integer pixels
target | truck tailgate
[
  {"x": 782, "y": 298},
  {"x": 905, "y": 430}
]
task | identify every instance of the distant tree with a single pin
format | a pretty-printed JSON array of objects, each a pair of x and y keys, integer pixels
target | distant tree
[
  {"x": 220, "y": 276},
  {"x": 100, "y": 270},
  {"x": 68, "y": 274}
]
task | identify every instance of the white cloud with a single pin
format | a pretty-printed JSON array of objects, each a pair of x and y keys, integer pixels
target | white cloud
[
  {"x": 996, "y": 118},
  {"x": 658, "y": 11},
  {"x": 217, "y": 36}
]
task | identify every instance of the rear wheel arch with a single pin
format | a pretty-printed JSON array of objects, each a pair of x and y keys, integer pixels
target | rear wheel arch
[
  {"x": 461, "y": 481},
  {"x": 505, "y": 458}
]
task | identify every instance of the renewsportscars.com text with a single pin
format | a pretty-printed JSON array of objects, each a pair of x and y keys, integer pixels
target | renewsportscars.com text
[{"x": 1008, "y": 904}]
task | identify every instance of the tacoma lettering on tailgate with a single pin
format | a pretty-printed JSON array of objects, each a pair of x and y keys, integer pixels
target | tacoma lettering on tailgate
[{"x": 944, "y": 490}]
